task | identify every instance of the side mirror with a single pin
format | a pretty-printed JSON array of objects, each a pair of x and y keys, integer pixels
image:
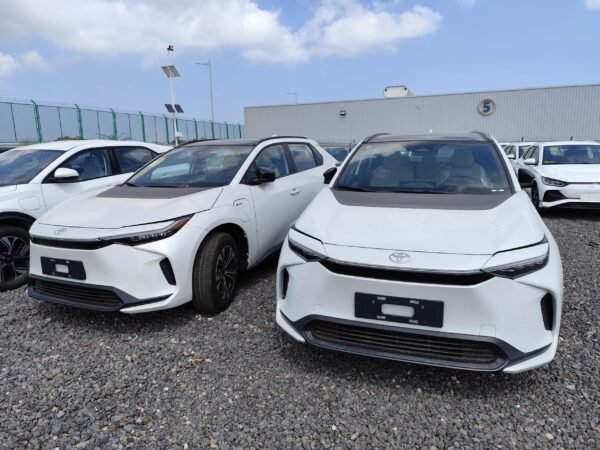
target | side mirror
[
  {"x": 65, "y": 174},
  {"x": 511, "y": 156},
  {"x": 525, "y": 179},
  {"x": 329, "y": 174},
  {"x": 264, "y": 175},
  {"x": 529, "y": 161}
]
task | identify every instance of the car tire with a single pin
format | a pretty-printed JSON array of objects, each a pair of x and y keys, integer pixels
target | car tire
[
  {"x": 14, "y": 257},
  {"x": 216, "y": 272},
  {"x": 535, "y": 197}
]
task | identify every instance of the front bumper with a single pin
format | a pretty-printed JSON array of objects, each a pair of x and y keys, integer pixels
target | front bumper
[
  {"x": 572, "y": 196},
  {"x": 500, "y": 318},
  {"x": 130, "y": 279}
]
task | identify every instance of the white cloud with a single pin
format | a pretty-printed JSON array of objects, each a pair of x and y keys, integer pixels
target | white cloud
[
  {"x": 592, "y": 4},
  {"x": 8, "y": 65},
  {"x": 145, "y": 28},
  {"x": 33, "y": 59}
]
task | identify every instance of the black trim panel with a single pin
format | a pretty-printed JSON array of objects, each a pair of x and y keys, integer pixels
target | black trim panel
[
  {"x": 83, "y": 295},
  {"x": 507, "y": 354},
  {"x": 71, "y": 244}
]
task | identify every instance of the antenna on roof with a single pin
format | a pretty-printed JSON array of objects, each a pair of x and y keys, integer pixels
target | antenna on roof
[{"x": 571, "y": 138}]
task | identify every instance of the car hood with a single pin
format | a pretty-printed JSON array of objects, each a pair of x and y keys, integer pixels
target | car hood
[
  {"x": 122, "y": 206},
  {"x": 512, "y": 224},
  {"x": 573, "y": 173}
]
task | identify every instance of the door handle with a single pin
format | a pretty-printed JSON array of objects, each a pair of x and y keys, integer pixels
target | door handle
[{"x": 295, "y": 191}]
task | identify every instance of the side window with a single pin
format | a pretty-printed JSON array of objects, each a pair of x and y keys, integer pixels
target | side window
[
  {"x": 510, "y": 150},
  {"x": 131, "y": 159},
  {"x": 303, "y": 157},
  {"x": 535, "y": 154},
  {"x": 528, "y": 153},
  {"x": 522, "y": 150},
  {"x": 90, "y": 164},
  {"x": 273, "y": 158}
]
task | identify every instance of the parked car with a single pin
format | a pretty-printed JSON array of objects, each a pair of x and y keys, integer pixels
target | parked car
[
  {"x": 179, "y": 230},
  {"x": 35, "y": 178},
  {"x": 565, "y": 174},
  {"x": 411, "y": 255},
  {"x": 339, "y": 150},
  {"x": 515, "y": 152},
  {"x": 6, "y": 147}
]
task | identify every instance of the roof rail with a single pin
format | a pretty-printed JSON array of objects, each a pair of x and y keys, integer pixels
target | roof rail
[
  {"x": 194, "y": 141},
  {"x": 260, "y": 141},
  {"x": 482, "y": 134},
  {"x": 373, "y": 136}
]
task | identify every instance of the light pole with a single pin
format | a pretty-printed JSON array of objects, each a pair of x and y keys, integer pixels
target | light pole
[
  {"x": 171, "y": 72},
  {"x": 212, "y": 105},
  {"x": 295, "y": 94}
]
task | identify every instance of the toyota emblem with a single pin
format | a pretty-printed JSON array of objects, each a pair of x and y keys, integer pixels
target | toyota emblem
[
  {"x": 60, "y": 231},
  {"x": 399, "y": 257}
]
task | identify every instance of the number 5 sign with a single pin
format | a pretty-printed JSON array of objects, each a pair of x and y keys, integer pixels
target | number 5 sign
[{"x": 486, "y": 107}]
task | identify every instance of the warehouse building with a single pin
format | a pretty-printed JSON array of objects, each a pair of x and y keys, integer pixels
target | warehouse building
[{"x": 538, "y": 114}]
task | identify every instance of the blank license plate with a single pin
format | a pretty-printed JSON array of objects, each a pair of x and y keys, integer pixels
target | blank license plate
[
  {"x": 65, "y": 268},
  {"x": 590, "y": 196},
  {"x": 429, "y": 313}
]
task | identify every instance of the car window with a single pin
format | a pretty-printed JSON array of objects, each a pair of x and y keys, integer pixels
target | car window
[
  {"x": 452, "y": 167},
  {"x": 303, "y": 157},
  {"x": 522, "y": 150},
  {"x": 21, "y": 166},
  {"x": 510, "y": 150},
  {"x": 272, "y": 158},
  {"x": 131, "y": 159},
  {"x": 528, "y": 153},
  {"x": 195, "y": 165},
  {"x": 90, "y": 164},
  {"x": 535, "y": 154},
  {"x": 571, "y": 154}
]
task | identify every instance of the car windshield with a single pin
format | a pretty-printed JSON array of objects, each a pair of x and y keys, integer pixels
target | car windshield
[
  {"x": 571, "y": 154},
  {"x": 21, "y": 166},
  {"x": 193, "y": 166},
  {"x": 450, "y": 167}
]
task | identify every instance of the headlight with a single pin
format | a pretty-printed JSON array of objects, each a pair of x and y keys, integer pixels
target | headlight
[
  {"x": 167, "y": 229},
  {"x": 552, "y": 182},
  {"x": 306, "y": 247},
  {"x": 522, "y": 261}
]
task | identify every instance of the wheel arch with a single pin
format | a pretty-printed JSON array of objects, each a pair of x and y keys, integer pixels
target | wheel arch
[
  {"x": 241, "y": 239},
  {"x": 17, "y": 219}
]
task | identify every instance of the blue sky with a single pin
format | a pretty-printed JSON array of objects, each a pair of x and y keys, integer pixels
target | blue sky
[{"x": 108, "y": 52}]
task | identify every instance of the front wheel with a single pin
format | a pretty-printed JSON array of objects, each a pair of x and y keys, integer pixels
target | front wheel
[
  {"x": 215, "y": 274},
  {"x": 14, "y": 257},
  {"x": 535, "y": 197}
]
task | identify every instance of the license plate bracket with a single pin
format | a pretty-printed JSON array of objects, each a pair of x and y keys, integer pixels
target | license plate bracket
[
  {"x": 429, "y": 313},
  {"x": 65, "y": 268}
]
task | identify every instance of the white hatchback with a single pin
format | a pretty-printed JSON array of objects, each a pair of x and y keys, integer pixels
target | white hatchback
[
  {"x": 180, "y": 229},
  {"x": 411, "y": 255},
  {"x": 562, "y": 174},
  {"x": 35, "y": 178}
]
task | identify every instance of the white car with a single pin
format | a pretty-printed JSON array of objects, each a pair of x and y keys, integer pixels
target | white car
[
  {"x": 179, "y": 230},
  {"x": 565, "y": 174},
  {"x": 35, "y": 178},
  {"x": 411, "y": 255},
  {"x": 515, "y": 152}
]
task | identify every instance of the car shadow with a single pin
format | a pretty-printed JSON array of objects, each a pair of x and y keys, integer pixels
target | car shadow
[{"x": 571, "y": 213}]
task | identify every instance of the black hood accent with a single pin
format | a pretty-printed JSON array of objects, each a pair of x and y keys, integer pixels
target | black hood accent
[
  {"x": 467, "y": 202},
  {"x": 140, "y": 192}
]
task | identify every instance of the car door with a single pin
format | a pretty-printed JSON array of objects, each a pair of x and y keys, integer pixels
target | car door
[
  {"x": 526, "y": 173},
  {"x": 129, "y": 159},
  {"x": 308, "y": 168},
  {"x": 275, "y": 203},
  {"x": 96, "y": 168}
]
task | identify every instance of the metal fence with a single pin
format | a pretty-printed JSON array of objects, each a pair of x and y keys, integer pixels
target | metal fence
[{"x": 27, "y": 122}]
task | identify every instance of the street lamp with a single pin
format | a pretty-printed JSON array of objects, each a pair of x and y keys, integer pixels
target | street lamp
[
  {"x": 212, "y": 106},
  {"x": 172, "y": 72},
  {"x": 295, "y": 94}
]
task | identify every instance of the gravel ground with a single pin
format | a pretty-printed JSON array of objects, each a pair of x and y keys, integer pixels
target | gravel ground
[{"x": 77, "y": 379}]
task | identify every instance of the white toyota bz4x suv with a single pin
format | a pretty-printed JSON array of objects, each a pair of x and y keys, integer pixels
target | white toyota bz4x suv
[{"x": 411, "y": 254}]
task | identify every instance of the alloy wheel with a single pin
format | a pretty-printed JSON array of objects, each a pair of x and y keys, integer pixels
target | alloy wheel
[
  {"x": 225, "y": 272},
  {"x": 14, "y": 258}
]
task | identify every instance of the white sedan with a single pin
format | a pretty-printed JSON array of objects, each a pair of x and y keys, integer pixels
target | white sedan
[
  {"x": 565, "y": 174},
  {"x": 35, "y": 178},
  {"x": 179, "y": 230},
  {"x": 411, "y": 255}
]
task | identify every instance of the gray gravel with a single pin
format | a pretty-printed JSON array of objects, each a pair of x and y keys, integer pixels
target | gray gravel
[{"x": 77, "y": 379}]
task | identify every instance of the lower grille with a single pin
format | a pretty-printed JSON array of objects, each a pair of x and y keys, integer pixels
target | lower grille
[
  {"x": 404, "y": 346},
  {"x": 82, "y": 296}
]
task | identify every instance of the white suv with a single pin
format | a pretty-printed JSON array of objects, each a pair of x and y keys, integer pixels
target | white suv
[{"x": 35, "y": 178}]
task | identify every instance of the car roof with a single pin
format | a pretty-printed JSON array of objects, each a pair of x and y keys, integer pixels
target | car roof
[
  {"x": 70, "y": 144},
  {"x": 239, "y": 141},
  {"x": 474, "y": 137}
]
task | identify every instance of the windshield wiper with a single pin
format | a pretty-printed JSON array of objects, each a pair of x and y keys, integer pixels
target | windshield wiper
[
  {"x": 354, "y": 188},
  {"x": 127, "y": 183}
]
